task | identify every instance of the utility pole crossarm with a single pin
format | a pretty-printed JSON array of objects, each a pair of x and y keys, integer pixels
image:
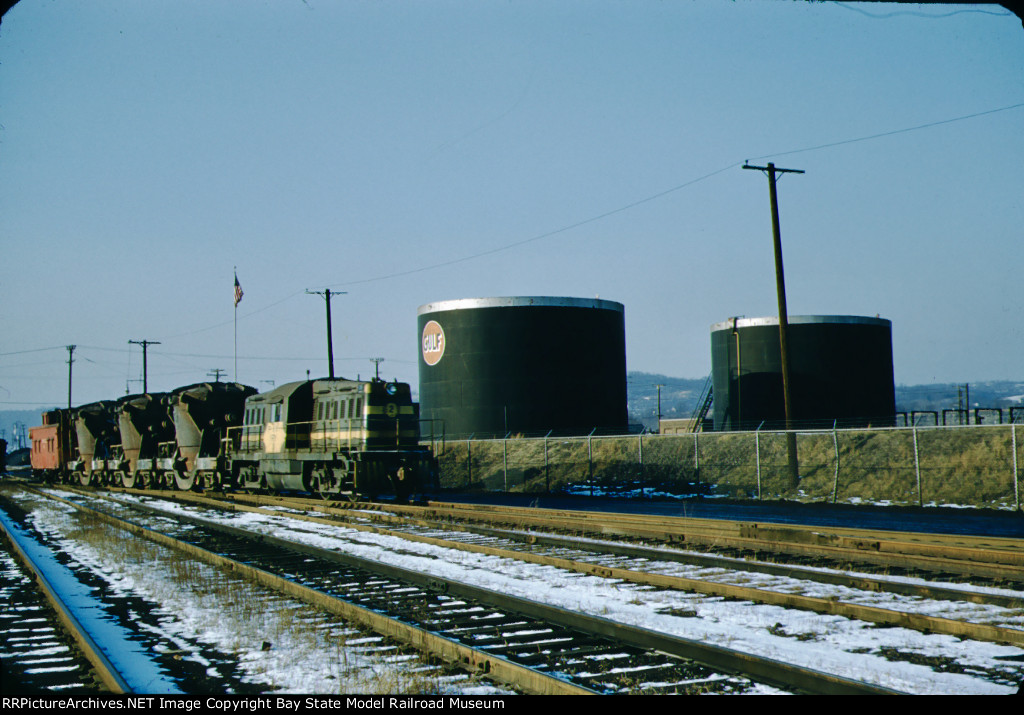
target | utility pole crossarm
[
  {"x": 772, "y": 168},
  {"x": 145, "y": 368}
]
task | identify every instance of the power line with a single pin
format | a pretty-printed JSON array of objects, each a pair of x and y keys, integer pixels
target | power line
[
  {"x": 894, "y": 132},
  {"x": 539, "y": 237},
  {"x": 660, "y": 194},
  {"x": 928, "y": 16}
]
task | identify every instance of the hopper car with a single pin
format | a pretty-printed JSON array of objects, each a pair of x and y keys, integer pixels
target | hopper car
[{"x": 330, "y": 437}]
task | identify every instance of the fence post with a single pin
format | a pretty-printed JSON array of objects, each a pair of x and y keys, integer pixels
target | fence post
[
  {"x": 757, "y": 456},
  {"x": 917, "y": 470},
  {"x": 835, "y": 445},
  {"x": 547, "y": 473},
  {"x": 640, "y": 453},
  {"x": 504, "y": 459},
  {"x": 590, "y": 460},
  {"x": 696, "y": 466},
  {"x": 1016, "y": 486}
]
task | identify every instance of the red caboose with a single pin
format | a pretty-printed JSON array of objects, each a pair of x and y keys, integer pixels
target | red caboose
[{"x": 52, "y": 445}]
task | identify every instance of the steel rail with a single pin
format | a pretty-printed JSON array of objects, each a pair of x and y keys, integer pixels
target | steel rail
[
  {"x": 999, "y": 549},
  {"x": 770, "y": 671},
  {"x": 752, "y": 538}
]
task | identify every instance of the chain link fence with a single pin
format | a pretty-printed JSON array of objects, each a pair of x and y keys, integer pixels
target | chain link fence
[{"x": 976, "y": 465}]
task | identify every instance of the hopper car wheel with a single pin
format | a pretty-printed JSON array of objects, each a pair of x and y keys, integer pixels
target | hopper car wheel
[
  {"x": 185, "y": 481},
  {"x": 80, "y": 478},
  {"x": 124, "y": 479}
]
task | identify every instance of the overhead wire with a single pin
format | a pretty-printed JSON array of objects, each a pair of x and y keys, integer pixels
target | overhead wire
[{"x": 666, "y": 192}]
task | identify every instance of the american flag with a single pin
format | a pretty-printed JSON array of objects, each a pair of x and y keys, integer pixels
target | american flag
[{"x": 238, "y": 291}]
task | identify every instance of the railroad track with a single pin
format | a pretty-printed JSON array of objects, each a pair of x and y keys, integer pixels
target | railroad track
[
  {"x": 37, "y": 654},
  {"x": 70, "y": 606},
  {"x": 203, "y": 629},
  {"x": 961, "y": 611},
  {"x": 576, "y": 651},
  {"x": 876, "y": 600}
]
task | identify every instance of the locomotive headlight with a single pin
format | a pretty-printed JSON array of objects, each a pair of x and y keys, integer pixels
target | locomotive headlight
[{"x": 392, "y": 388}]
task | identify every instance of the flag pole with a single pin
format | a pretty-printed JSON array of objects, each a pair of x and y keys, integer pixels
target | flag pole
[{"x": 238, "y": 299}]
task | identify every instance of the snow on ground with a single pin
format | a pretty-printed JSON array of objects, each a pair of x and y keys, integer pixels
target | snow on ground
[
  {"x": 833, "y": 644},
  {"x": 274, "y": 652}
]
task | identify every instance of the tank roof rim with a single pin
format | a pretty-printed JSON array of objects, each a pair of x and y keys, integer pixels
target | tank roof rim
[
  {"x": 802, "y": 320},
  {"x": 520, "y": 302}
]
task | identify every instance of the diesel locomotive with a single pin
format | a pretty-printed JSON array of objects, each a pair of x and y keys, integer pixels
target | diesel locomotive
[{"x": 329, "y": 437}]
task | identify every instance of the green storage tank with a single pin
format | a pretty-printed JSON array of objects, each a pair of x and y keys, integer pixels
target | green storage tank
[
  {"x": 489, "y": 367},
  {"x": 841, "y": 373}
]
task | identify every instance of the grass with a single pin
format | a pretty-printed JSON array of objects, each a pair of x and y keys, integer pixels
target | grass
[{"x": 955, "y": 465}]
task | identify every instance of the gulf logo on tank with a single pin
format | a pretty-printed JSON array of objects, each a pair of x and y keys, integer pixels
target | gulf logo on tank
[{"x": 433, "y": 343}]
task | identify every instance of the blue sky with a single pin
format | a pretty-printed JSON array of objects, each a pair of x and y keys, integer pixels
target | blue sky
[{"x": 410, "y": 152}]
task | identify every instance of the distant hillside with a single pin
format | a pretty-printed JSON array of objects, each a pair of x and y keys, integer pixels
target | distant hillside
[
  {"x": 1000, "y": 393},
  {"x": 679, "y": 396}
]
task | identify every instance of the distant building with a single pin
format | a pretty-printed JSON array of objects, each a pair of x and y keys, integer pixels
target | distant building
[{"x": 677, "y": 426}]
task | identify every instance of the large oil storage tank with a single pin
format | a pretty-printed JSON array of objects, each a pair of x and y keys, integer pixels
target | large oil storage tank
[
  {"x": 522, "y": 365},
  {"x": 841, "y": 372}
]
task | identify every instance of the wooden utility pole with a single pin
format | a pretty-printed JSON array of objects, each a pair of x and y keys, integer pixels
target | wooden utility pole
[
  {"x": 330, "y": 341},
  {"x": 71, "y": 360},
  {"x": 145, "y": 368},
  {"x": 376, "y": 363},
  {"x": 780, "y": 287}
]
